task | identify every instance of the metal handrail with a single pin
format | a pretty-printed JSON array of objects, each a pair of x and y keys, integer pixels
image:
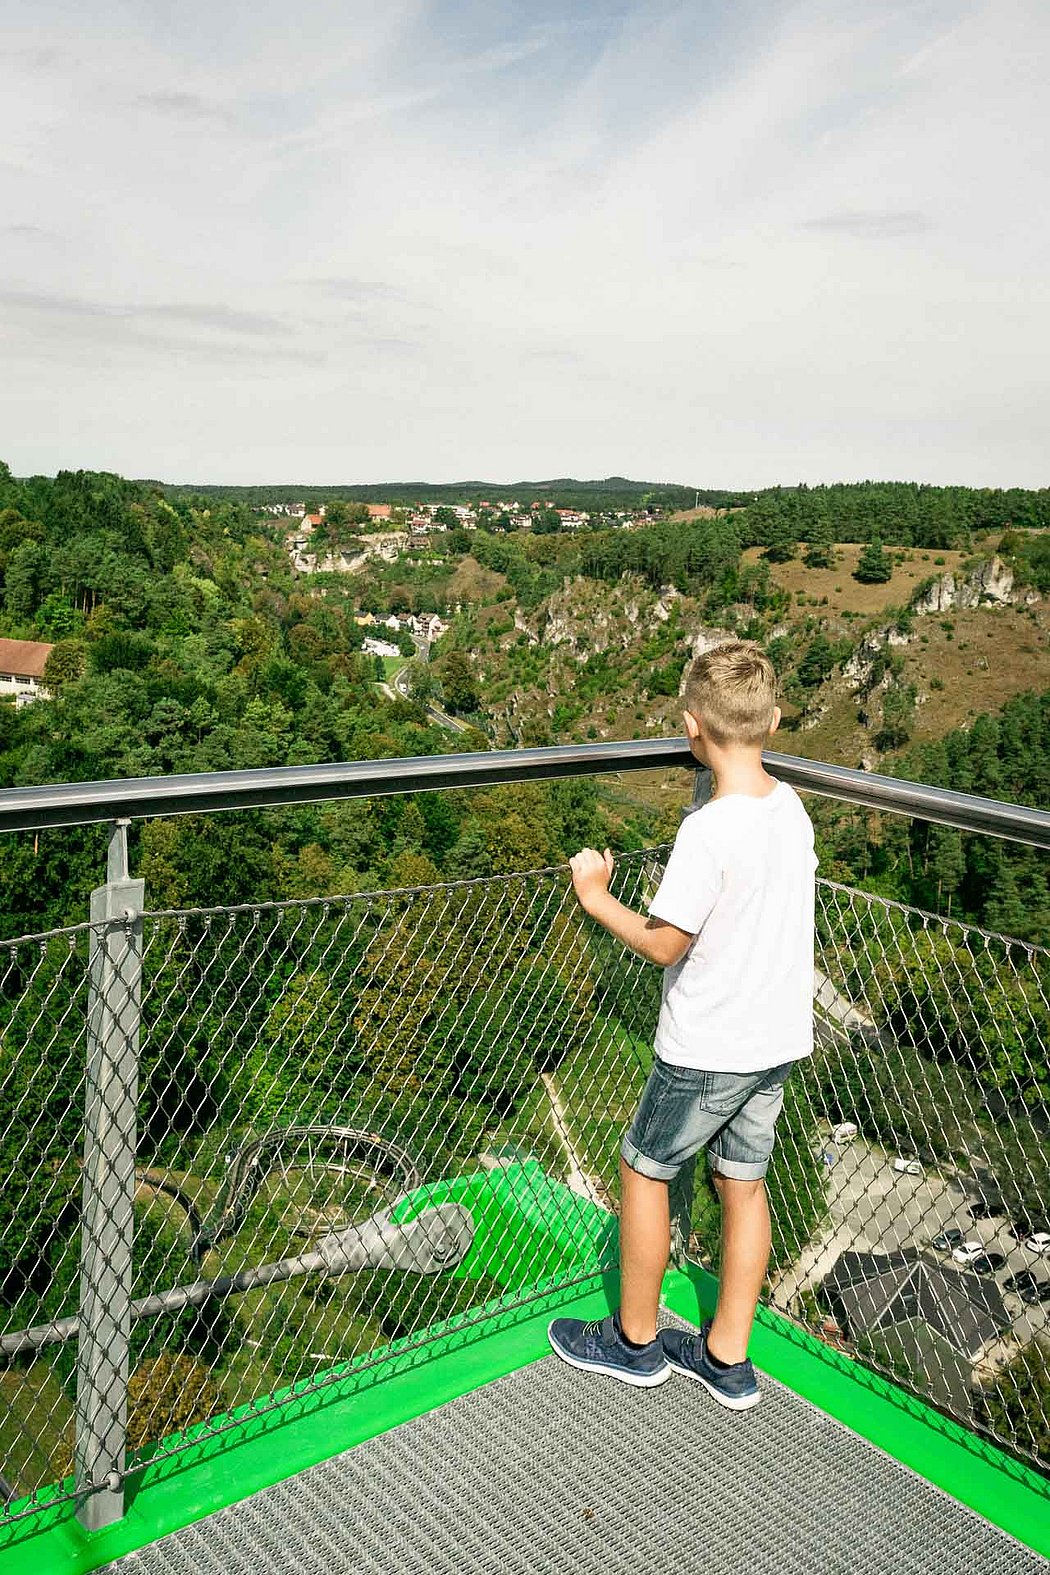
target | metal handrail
[{"x": 135, "y": 798}]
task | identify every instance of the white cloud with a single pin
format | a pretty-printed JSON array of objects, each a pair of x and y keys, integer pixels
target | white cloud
[{"x": 730, "y": 245}]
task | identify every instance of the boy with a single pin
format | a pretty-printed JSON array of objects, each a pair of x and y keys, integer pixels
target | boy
[{"x": 732, "y": 926}]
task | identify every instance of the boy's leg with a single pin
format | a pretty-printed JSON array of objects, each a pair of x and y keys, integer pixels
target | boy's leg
[
  {"x": 625, "y": 1345},
  {"x": 746, "y": 1242},
  {"x": 645, "y": 1246}
]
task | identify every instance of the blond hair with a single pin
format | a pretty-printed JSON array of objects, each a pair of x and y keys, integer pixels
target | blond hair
[{"x": 732, "y": 689}]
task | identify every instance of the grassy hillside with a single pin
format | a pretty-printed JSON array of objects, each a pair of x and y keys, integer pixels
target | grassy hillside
[
  {"x": 968, "y": 663},
  {"x": 598, "y": 660},
  {"x": 838, "y": 592}
]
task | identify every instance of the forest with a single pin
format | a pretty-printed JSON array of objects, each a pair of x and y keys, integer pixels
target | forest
[
  {"x": 615, "y": 492},
  {"x": 183, "y": 642}
]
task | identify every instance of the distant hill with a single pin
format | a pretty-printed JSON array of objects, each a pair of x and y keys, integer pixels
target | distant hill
[{"x": 614, "y": 492}]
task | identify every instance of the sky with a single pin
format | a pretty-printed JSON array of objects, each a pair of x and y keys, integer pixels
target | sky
[{"x": 728, "y": 243}]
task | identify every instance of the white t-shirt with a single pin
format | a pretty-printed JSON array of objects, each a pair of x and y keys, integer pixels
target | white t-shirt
[{"x": 740, "y": 879}]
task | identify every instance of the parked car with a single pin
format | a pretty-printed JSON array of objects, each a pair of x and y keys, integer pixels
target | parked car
[
  {"x": 946, "y": 1239},
  {"x": 983, "y": 1209},
  {"x": 987, "y": 1262},
  {"x": 967, "y": 1251},
  {"x": 907, "y": 1167},
  {"x": 845, "y": 1132},
  {"x": 1024, "y": 1284},
  {"x": 1039, "y": 1242}
]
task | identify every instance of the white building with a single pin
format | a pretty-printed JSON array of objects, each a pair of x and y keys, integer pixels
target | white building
[
  {"x": 22, "y": 664},
  {"x": 374, "y": 647},
  {"x": 427, "y": 626}
]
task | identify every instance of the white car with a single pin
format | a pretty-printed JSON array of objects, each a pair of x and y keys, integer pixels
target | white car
[
  {"x": 968, "y": 1251},
  {"x": 1040, "y": 1242},
  {"x": 845, "y": 1132},
  {"x": 907, "y": 1167}
]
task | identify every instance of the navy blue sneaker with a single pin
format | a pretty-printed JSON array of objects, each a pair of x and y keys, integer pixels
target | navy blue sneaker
[
  {"x": 734, "y": 1386},
  {"x": 599, "y": 1348}
]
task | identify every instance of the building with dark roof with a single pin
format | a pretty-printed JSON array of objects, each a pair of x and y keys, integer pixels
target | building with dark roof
[{"x": 873, "y": 1291}]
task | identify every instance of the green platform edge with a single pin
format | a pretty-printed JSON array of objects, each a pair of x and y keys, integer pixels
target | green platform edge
[{"x": 365, "y": 1400}]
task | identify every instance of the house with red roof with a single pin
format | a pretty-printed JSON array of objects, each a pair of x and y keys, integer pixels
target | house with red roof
[{"x": 22, "y": 664}]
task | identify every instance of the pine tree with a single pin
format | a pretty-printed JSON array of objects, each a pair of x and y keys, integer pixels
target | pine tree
[
  {"x": 21, "y": 580},
  {"x": 820, "y": 553},
  {"x": 875, "y": 566},
  {"x": 782, "y": 539},
  {"x": 947, "y": 862},
  {"x": 1004, "y": 909}
]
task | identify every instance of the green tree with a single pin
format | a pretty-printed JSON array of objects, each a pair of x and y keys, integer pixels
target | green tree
[
  {"x": 820, "y": 542},
  {"x": 38, "y": 1155},
  {"x": 875, "y": 566},
  {"x": 546, "y": 522},
  {"x": 65, "y": 664},
  {"x": 817, "y": 664},
  {"x": 947, "y": 862},
  {"x": 421, "y": 682},
  {"x": 898, "y": 715},
  {"x": 457, "y": 682},
  {"x": 56, "y": 618},
  {"x": 1017, "y": 1405},
  {"x": 782, "y": 539},
  {"x": 22, "y": 580}
]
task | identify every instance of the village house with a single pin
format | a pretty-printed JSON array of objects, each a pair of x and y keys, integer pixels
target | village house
[
  {"x": 22, "y": 664},
  {"x": 379, "y": 511},
  {"x": 426, "y": 626}
]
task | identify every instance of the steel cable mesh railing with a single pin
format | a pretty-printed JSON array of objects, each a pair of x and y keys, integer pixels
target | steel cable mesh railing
[
  {"x": 298, "y": 1059},
  {"x": 43, "y": 1012},
  {"x": 362, "y": 1119},
  {"x": 928, "y": 1097}
]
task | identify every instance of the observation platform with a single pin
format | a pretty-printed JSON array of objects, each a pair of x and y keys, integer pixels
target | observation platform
[
  {"x": 479, "y": 1451},
  {"x": 325, "y": 1413},
  {"x": 548, "y": 1469}
]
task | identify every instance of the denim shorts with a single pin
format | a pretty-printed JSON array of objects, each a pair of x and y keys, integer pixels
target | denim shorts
[{"x": 731, "y": 1114}]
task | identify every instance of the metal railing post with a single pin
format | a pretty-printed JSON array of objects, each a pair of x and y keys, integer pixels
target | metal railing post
[
  {"x": 683, "y": 1187},
  {"x": 115, "y": 976},
  {"x": 703, "y": 787}
]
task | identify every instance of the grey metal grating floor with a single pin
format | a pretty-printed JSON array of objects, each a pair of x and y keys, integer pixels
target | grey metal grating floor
[{"x": 555, "y": 1471}]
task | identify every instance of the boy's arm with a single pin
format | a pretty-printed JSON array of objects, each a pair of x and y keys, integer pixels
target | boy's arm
[{"x": 654, "y": 939}]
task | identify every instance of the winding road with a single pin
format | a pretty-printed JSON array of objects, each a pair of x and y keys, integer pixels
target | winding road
[{"x": 399, "y": 691}]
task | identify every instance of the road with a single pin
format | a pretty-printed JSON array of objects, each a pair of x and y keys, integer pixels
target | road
[{"x": 435, "y": 714}]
